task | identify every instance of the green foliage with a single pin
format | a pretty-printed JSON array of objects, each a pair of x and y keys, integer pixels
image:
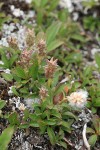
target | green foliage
[
  {"x": 8, "y": 61},
  {"x": 5, "y": 137},
  {"x": 14, "y": 119},
  {"x": 19, "y": 72},
  {"x": 45, "y": 14},
  {"x": 7, "y": 77},
  {"x": 54, "y": 119},
  {"x": 93, "y": 24},
  {"x": 51, "y": 135},
  {"x": 3, "y": 18},
  {"x": 2, "y": 103},
  {"x": 90, "y": 3},
  {"x": 94, "y": 130},
  {"x": 51, "y": 33},
  {"x": 94, "y": 92},
  {"x": 57, "y": 24},
  {"x": 97, "y": 58}
]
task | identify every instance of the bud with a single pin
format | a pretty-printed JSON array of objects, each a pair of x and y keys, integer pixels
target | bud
[
  {"x": 13, "y": 43},
  {"x": 43, "y": 93},
  {"x": 30, "y": 37},
  {"x": 41, "y": 47},
  {"x": 25, "y": 57},
  {"x": 50, "y": 68}
]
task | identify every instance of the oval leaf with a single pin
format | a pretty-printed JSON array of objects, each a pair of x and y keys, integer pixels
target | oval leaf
[{"x": 5, "y": 137}]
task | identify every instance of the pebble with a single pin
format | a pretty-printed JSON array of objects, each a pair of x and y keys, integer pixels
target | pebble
[
  {"x": 29, "y": 102},
  {"x": 94, "y": 51}
]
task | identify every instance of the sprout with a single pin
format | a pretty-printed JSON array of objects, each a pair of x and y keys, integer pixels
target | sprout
[{"x": 50, "y": 68}]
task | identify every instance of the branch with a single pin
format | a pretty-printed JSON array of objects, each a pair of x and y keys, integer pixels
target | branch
[
  {"x": 68, "y": 142},
  {"x": 84, "y": 137}
]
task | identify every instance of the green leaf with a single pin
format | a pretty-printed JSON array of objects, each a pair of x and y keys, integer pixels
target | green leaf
[
  {"x": 96, "y": 102},
  {"x": 53, "y": 5},
  {"x": 66, "y": 124},
  {"x": 79, "y": 37},
  {"x": 34, "y": 124},
  {"x": 63, "y": 15},
  {"x": 40, "y": 17},
  {"x": 37, "y": 3},
  {"x": 43, "y": 2},
  {"x": 20, "y": 72},
  {"x": 51, "y": 135},
  {"x": 24, "y": 90},
  {"x": 89, "y": 104},
  {"x": 7, "y": 77},
  {"x": 87, "y": 71},
  {"x": 5, "y": 137},
  {"x": 14, "y": 91},
  {"x": 70, "y": 115},
  {"x": 94, "y": 110},
  {"x": 53, "y": 45},
  {"x": 13, "y": 59},
  {"x": 59, "y": 88},
  {"x": 55, "y": 113},
  {"x": 2, "y": 103},
  {"x": 76, "y": 85},
  {"x": 45, "y": 114},
  {"x": 96, "y": 123},
  {"x": 74, "y": 57},
  {"x": 5, "y": 60},
  {"x": 50, "y": 122},
  {"x": 93, "y": 139},
  {"x": 26, "y": 114},
  {"x": 42, "y": 129},
  {"x": 97, "y": 58},
  {"x": 33, "y": 70},
  {"x": 24, "y": 126},
  {"x": 56, "y": 78},
  {"x": 52, "y": 31},
  {"x": 63, "y": 144},
  {"x": 90, "y": 130},
  {"x": 13, "y": 119}
]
